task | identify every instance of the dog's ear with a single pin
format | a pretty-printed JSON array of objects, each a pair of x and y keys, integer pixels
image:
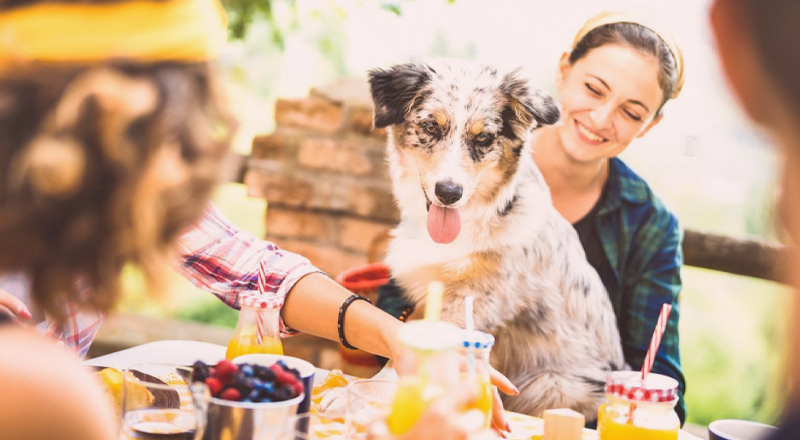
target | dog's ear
[
  {"x": 394, "y": 90},
  {"x": 528, "y": 106}
]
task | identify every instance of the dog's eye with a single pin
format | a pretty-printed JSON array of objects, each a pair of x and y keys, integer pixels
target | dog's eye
[
  {"x": 484, "y": 139},
  {"x": 430, "y": 127}
]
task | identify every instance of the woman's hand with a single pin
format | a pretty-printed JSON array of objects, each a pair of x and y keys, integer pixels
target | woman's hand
[
  {"x": 501, "y": 383},
  {"x": 449, "y": 419},
  {"x": 11, "y": 305}
]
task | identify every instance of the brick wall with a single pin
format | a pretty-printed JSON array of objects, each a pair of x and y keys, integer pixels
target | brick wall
[{"x": 324, "y": 176}]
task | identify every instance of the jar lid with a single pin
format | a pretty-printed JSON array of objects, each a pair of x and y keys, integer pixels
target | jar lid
[
  {"x": 428, "y": 335},
  {"x": 628, "y": 385},
  {"x": 256, "y": 300},
  {"x": 477, "y": 339}
]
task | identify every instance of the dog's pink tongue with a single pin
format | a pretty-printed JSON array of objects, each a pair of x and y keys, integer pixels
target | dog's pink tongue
[{"x": 444, "y": 224}]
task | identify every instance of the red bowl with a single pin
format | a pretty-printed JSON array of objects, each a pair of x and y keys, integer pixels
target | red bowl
[{"x": 364, "y": 279}]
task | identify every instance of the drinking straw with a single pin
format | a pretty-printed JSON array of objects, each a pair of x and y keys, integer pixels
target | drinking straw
[
  {"x": 470, "y": 326},
  {"x": 262, "y": 277},
  {"x": 661, "y": 326},
  {"x": 433, "y": 305}
]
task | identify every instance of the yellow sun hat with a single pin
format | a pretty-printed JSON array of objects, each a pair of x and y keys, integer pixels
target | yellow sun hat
[{"x": 148, "y": 31}]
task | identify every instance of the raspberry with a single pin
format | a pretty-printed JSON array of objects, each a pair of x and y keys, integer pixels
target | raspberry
[
  {"x": 225, "y": 369},
  {"x": 285, "y": 378},
  {"x": 298, "y": 388},
  {"x": 231, "y": 394},
  {"x": 214, "y": 385},
  {"x": 276, "y": 368}
]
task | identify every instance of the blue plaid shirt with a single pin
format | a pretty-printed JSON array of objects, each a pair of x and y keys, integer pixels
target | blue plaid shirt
[{"x": 634, "y": 243}]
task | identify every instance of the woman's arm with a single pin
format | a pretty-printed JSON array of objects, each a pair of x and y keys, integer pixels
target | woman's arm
[
  {"x": 659, "y": 282},
  {"x": 220, "y": 258},
  {"x": 313, "y": 304}
]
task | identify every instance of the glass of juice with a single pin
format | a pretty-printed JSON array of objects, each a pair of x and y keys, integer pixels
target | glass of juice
[
  {"x": 157, "y": 404},
  {"x": 475, "y": 350},
  {"x": 428, "y": 365},
  {"x": 639, "y": 409},
  {"x": 258, "y": 329}
]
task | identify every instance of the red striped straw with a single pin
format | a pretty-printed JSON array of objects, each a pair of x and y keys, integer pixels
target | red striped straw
[
  {"x": 262, "y": 276},
  {"x": 661, "y": 326}
]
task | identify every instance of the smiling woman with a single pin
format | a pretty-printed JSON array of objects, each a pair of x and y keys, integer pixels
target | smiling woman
[{"x": 612, "y": 87}]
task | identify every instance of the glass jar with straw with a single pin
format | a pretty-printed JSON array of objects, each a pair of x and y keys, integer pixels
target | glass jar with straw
[
  {"x": 428, "y": 364},
  {"x": 258, "y": 328},
  {"x": 475, "y": 353},
  {"x": 640, "y": 404}
]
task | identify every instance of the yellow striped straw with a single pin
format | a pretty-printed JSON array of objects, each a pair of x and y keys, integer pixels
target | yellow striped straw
[{"x": 433, "y": 305}]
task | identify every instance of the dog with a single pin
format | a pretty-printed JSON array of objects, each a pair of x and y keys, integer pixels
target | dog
[{"x": 476, "y": 214}]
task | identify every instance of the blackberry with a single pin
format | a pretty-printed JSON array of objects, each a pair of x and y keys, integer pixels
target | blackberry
[
  {"x": 265, "y": 374},
  {"x": 200, "y": 372},
  {"x": 283, "y": 393}
]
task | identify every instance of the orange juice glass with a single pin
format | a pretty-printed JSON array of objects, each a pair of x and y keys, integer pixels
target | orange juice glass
[
  {"x": 428, "y": 366},
  {"x": 639, "y": 410},
  {"x": 258, "y": 329}
]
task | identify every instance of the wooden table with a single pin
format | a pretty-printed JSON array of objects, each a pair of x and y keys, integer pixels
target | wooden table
[{"x": 187, "y": 352}]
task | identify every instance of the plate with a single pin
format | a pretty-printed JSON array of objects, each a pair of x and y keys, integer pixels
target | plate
[{"x": 163, "y": 398}]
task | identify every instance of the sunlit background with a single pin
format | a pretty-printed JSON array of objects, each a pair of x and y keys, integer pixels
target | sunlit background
[{"x": 714, "y": 170}]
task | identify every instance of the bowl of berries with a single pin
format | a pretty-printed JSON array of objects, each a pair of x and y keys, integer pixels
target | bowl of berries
[{"x": 246, "y": 401}]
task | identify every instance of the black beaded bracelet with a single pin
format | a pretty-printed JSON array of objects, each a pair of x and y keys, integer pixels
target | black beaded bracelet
[{"x": 342, "y": 310}]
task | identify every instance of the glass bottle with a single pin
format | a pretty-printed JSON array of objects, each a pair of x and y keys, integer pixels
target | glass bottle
[{"x": 258, "y": 329}]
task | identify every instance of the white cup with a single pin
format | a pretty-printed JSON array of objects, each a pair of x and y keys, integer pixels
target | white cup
[{"x": 740, "y": 430}]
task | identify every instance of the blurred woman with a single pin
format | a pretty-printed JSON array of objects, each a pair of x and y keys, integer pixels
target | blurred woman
[
  {"x": 759, "y": 46},
  {"x": 113, "y": 129}
]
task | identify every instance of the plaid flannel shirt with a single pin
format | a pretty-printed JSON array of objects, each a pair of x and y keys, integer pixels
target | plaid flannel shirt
[
  {"x": 636, "y": 250},
  {"x": 215, "y": 256}
]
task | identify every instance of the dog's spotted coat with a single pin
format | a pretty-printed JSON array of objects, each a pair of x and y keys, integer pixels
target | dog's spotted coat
[{"x": 469, "y": 125}]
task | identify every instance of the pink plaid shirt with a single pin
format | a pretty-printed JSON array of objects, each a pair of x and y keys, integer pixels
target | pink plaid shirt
[{"x": 215, "y": 256}]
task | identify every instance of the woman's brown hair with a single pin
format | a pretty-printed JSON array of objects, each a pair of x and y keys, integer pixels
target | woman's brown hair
[{"x": 102, "y": 166}]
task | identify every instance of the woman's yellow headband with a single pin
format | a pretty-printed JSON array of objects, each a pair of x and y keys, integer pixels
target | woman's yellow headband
[
  {"x": 149, "y": 31},
  {"x": 605, "y": 18}
]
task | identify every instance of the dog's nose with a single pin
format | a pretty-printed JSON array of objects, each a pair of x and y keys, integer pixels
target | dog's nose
[{"x": 448, "y": 192}]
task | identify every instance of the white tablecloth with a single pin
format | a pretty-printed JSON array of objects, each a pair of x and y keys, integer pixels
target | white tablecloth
[{"x": 169, "y": 352}]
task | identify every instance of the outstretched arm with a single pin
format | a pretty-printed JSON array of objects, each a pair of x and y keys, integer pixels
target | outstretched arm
[{"x": 220, "y": 258}]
